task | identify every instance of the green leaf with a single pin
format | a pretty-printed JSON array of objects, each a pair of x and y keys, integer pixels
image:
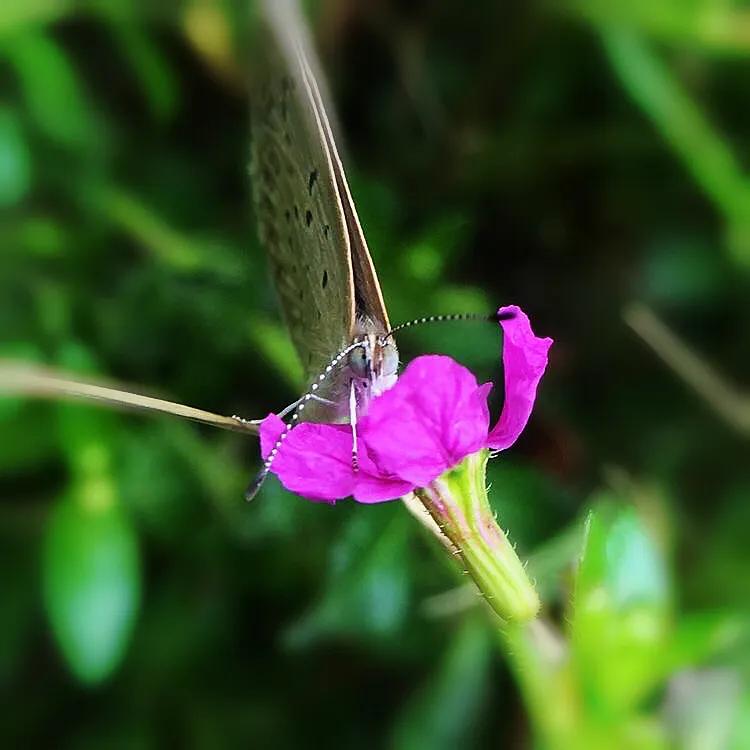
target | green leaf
[
  {"x": 273, "y": 344},
  {"x": 445, "y": 712},
  {"x": 621, "y": 610},
  {"x": 85, "y": 432},
  {"x": 33, "y": 443},
  {"x": 168, "y": 509},
  {"x": 703, "y": 150},
  {"x": 28, "y": 421},
  {"x": 740, "y": 736},
  {"x": 523, "y": 499},
  {"x": 703, "y": 25},
  {"x": 473, "y": 344},
  {"x": 702, "y": 707},
  {"x": 702, "y": 636},
  {"x": 91, "y": 574},
  {"x": 550, "y": 560},
  {"x": 15, "y": 160},
  {"x": 368, "y": 588},
  {"x": 91, "y": 566},
  {"x": 39, "y": 236},
  {"x": 22, "y": 351},
  {"x": 52, "y": 91},
  {"x": 156, "y": 77},
  {"x": 15, "y": 14},
  {"x": 424, "y": 261}
]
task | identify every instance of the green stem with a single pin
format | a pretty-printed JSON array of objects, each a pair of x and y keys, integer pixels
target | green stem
[{"x": 458, "y": 503}]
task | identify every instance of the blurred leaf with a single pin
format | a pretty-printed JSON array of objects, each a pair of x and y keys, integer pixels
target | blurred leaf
[
  {"x": 273, "y": 343},
  {"x": 705, "y": 635},
  {"x": 52, "y": 90},
  {"x": 702, "y": 707},
  {"x": 474, "y": 344},
  {"x": 187, "y": 468},
  {"x": 538, "y": 656},
  {"x": 37, "y": 235},
  {"x": 158, "y": 82},
  {"x": 91, "y": 579},
  {"x": 86, "y": 432},
  {"x": 137, "y": 219},
  {"x": 425, "y": 260},
  {"x": 524, "y": 499},
  {"x": 740, "y": 735},
  {"x": 17, "y": 14},
  {"x": 367, "y": 591},
  {"x": 719, "y": 570},
  {"x": 33, "y": 442},
  {"x": 168, "y": 509},
  {"x": 621, "y": 610},
  {"x": 23, "y": 351},
  {"x": 15, "y": 160},
  {"x": 445, "y": 713},
  {"x": 713, "y": 26},
  {"x": 378, "y": 211},
  {"x": 550, "y": 560},
  {"x": 704, "y": 152},
  {"x": 91, "y": 565}
]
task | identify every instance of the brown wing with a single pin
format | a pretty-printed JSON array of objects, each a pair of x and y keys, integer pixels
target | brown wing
[
  {"x": 369, "y": 302},
  {"x": 300, "y": 215}
]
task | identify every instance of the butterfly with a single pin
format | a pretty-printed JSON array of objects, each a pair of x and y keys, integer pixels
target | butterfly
[{"x": 328, "y": 289}]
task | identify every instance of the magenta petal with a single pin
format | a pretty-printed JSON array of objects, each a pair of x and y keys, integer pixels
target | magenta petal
[
  {"x": 432, "y": 418},
  {"x": 524, "y": 361},
  {"x": 270, "y": 429},
  {"x": 315, "y": 460},
  {"x": 373, "y": 486}
]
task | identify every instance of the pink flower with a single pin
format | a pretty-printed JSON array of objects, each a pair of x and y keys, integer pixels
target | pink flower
[{"x": 428, "y": 422}]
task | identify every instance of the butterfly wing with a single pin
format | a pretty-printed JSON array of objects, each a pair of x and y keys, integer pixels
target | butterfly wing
[
  {"x": 308, "y": 223},
  {"x": 300, "y": 217},
  {"x": 369, "y": 304}
]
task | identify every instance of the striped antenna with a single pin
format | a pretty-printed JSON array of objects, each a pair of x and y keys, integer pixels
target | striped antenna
[
  {"x": 256, "y": 484},
  {"x": 494, "y": 318}
]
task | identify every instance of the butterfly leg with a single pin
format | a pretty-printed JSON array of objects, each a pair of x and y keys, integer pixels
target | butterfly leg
[
  {"x": 288, "y": 409},
  {"x": 321, "y": 400},
  {"x": 353, "y": 423}
]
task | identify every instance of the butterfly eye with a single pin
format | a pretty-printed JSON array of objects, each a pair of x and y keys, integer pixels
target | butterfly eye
[
  {"x": 358, "y": 362},
  {"x": 390, "y": 359}
]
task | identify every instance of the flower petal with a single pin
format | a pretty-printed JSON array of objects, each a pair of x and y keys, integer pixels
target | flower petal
[
  {"x": 433, "y": 417},
  {"x": 524, "y": 362},
  {"x": 315, "y": 461},
  {"x": 373, "y": 487}
]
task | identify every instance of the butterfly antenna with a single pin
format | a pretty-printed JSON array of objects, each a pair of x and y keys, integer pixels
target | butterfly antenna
[
  {"x": 493, "y": 318},
  {"x": 257, "y": 483}
]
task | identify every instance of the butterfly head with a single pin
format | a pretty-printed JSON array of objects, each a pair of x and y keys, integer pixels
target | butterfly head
[{"x": 375, "y": 362}]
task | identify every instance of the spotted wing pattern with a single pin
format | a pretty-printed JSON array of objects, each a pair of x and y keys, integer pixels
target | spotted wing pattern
[{"x": 300, "y": 215}]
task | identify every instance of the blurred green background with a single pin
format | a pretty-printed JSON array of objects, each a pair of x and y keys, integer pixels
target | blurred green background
[{"x": 571, "y": 157}]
